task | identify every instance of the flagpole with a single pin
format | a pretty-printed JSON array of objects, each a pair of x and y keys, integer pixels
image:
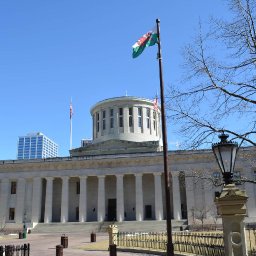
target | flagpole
[
  {"x": 167, "y": 175},
  {"x": 70, "y": 130}
]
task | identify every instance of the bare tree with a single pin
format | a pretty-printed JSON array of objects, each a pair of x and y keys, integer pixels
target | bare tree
[{"x": 219, "y": 90}]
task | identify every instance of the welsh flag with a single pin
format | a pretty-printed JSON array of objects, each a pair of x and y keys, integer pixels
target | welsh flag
[{"x": 149, "y": 39}]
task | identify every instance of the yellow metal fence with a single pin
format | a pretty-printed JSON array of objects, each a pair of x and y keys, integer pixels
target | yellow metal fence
[{"x": 208, "y": 244}]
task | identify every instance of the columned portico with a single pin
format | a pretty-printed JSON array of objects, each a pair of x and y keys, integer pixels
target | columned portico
[
  {"x": 139, "y": 197},
  {"x": 83, "y": 199},
  {"x": 64, "y": 199},
  {"x": 4, "y": 200},
  {"x": 36, "y": 199},
  {"x": 101, "y": 198},
  {"x": 48, "y": 200},
  {"x": 176, "y": 196},
  {"x": 120, "y": 197},
  {"x": 20, "y": 200},
  {"x": 158, "y": 196}
]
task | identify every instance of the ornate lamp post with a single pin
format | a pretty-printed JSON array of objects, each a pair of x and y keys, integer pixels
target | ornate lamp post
[
  {"x": 225, "y": 154},
  {"x": 231, "y": 202}
]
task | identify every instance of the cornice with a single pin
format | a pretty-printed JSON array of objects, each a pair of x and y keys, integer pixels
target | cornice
[{"x": 119, "y": 161}]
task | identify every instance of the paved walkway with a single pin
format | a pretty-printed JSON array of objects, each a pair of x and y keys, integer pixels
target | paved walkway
[{"x": 45, "y": 244}]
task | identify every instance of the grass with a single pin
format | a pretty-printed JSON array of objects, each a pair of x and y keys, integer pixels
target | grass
[{"x": 96, "y": 246}]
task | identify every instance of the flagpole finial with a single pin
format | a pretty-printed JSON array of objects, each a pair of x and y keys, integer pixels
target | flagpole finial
[{"x": 157, "y": 20}]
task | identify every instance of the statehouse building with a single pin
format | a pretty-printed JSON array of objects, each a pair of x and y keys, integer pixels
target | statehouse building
[{"x": 118, "y": 175}]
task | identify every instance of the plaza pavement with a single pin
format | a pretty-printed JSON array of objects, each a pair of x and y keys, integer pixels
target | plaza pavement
[{"x": 45, "y": 244}]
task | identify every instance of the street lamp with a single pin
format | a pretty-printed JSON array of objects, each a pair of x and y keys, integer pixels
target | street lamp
[
  {"x": 231, "y": 203},
  {"x": 225, "y": 153}
]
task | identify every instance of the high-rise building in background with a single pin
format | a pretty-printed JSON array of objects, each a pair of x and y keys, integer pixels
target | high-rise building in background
[{"x": 36, "y": 145}]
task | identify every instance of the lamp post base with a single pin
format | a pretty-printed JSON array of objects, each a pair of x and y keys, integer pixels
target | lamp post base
[{"x": 231, "y": 206}]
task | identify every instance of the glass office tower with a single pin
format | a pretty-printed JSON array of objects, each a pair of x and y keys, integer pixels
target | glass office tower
[{"x": 36, "y": 145}]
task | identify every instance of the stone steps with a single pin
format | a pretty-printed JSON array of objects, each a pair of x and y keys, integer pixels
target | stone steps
[{"x": 88, "y": 227}]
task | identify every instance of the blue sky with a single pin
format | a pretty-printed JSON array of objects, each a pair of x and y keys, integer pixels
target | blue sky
[{"x": 53, "y": 50}]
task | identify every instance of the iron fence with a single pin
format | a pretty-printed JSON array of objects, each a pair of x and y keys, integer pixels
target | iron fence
[
  {"x": 208, "y": 244},
  {"x": 15, "y": 250},
  {"x": 251, "y": 239}
]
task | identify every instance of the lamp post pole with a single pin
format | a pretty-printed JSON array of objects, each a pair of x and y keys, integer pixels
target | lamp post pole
[{"x": 167, "y": 175}]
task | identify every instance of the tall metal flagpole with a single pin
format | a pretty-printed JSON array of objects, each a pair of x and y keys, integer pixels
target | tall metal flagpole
[
  {"x": 167, "y": 175},
  {"x": 70, "y": 117}
]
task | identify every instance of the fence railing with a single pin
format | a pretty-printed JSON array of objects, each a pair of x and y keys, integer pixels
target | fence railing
[
  {"x": 15, "y": 250},
  {"x": 199, "y": 243},
  {"x": 251, "y": 239},
  {"x": 207, "y": 244}
]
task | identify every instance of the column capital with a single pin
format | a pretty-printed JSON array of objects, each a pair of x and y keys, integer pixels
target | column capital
[
  {"x": 138, "y": 174},
  {"x": 65, "y": 177},
  {"x": 119, "y": 175},
  {"x": 157, "y": 173},
  {"x": 49, "y": 178},
  {"x": 82, "y": 177},
  {"x": 101, "y": 176}
]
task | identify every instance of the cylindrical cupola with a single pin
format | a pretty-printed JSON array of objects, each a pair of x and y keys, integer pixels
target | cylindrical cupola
[{"x": 126, "y": 118}]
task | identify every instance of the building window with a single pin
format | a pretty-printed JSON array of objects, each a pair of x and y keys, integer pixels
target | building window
[
  {"x": 216, "y": 177},
  {"x": 130, "y": 117},
  {"x": 121, "y": 123},
  {"x": 111, "y": 118},
  {"x": 11, "y": 213},
  {"x": 154, "y": 120},
  {"x": 13, "y": 187},
  {"x": 140, "y": 116},
  {"x": 98, "y": 121},
  {"x": 148, "y": 118},
  {"x": 237, "y": 177},
  {"x": 103, "y": 119},
  {"x": 78, "y": 188}
]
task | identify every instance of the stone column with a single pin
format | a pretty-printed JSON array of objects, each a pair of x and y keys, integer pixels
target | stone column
[
  {"x": 231, "y": 205},
  {"x": 64, "y": 199},
  {"x": 120, "y": 197},
  {"x": 189, "y": 181},
  {"x": 48, "y": 200},
  {"x": 20, "y": 200},
  {"x": 126, "y": 119},
  {"x": 101, "y": 198},
  {"x": 83, "y": 199},
  {"x": 139, "y": 197},
  {"x": 135, "y": 120},
  {"x": 250, "y": 191},
  {"x": 3, "y": 201},
  {"x": 176, "y": 196},
  {"x": 209, "y": 205},
  {"x": 36, "y": 200},
  {"x": 158, "y": 196}
]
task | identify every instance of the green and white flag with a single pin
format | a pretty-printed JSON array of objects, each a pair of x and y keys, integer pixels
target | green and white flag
[{"x": 149, "y": 39}]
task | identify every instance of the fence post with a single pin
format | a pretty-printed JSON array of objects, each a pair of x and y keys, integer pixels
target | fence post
[{"x": 112, "y": 232}]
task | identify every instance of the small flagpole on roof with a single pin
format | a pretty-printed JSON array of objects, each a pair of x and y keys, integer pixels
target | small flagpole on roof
[
  {"x": 155, "y": 101},
  {"x": 70, "y": 117}
]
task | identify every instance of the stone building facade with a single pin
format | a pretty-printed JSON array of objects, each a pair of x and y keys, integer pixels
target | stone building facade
[{"x": 116, "y": 176}]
